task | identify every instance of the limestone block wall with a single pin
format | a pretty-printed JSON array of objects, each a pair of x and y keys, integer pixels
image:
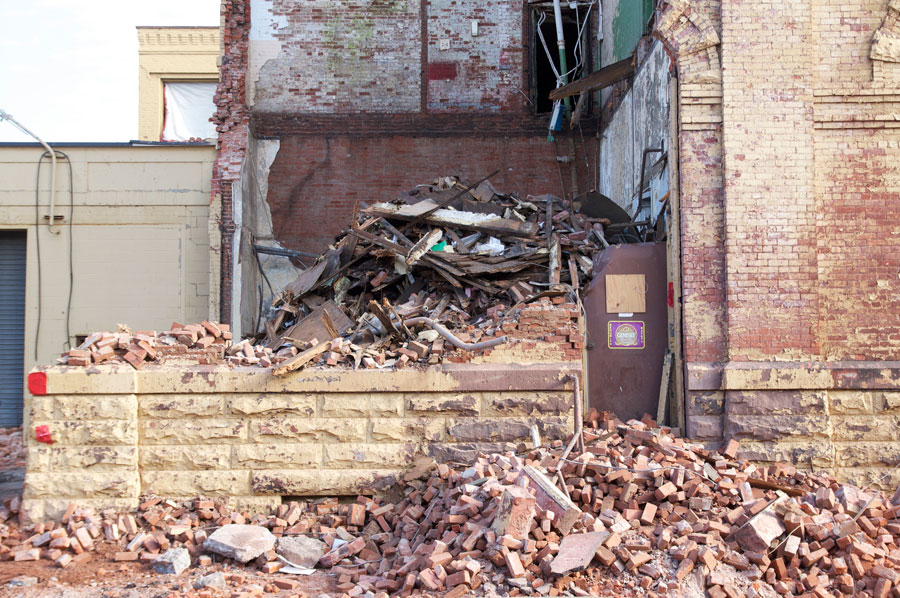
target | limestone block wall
[
  {"x": 843, "y": 417},
  {"x": 183, "y": 431}
]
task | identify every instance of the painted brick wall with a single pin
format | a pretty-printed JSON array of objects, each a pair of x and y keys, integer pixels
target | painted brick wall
[{"x": 315, "y": 181}]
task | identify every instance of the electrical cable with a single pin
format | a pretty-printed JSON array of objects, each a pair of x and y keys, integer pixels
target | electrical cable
[{"x": 37, "y": 241}]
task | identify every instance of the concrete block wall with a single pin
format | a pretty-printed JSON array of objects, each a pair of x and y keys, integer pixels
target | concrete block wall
[{"x": 183, "y": 431}]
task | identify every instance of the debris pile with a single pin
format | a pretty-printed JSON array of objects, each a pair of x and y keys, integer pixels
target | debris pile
[
  {"x": 206, "y": 342},
  {"x": 12, "y": 449},
  {"x": 633, "y": 502},
  {"x": 444, "y": 270},
  {"x": 442, "y": 267}
]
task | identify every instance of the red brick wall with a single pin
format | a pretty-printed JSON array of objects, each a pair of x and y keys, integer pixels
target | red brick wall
[{"x": 315, "y": 180}]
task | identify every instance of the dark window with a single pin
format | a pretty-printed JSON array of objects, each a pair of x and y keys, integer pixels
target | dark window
[{"x": 545, "y": 54}]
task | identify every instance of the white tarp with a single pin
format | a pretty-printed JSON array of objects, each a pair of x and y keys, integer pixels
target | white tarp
[{"x": 188, "y": 109}]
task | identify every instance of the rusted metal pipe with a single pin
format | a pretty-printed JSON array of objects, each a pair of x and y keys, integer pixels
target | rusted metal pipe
[{"x": 454, "y": 340}]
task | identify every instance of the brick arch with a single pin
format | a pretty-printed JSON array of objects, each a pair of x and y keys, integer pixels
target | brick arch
[
  {"x": 886, "y": 41},
  {"x": 690, "y": 37}
]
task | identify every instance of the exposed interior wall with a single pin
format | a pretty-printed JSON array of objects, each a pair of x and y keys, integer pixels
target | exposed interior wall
[
  {"x": 315, "y": 181},
  {"x": 370, "y": 99},
  {"x": 171, "y": 54},
  {"x": 639, "y": 123},
  {"x": 139, "y": 238},
  {"x": 244, "y": 434}
]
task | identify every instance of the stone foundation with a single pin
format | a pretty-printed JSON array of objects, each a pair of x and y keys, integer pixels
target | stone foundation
[
  {"x": 841, "y": 417},
  {"x": 183, "y": 431}
]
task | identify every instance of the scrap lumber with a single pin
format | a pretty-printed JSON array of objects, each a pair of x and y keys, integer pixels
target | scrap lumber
[
  {"x": 300, "y": 360},
  {"x": 486, "y": 223}
]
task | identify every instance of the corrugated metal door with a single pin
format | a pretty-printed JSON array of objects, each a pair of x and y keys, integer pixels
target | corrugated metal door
[{"x": 12, "y": 326}]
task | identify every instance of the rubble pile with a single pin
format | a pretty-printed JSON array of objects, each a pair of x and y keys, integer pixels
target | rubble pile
[
  {"x": 634, "y": 503},
  {"x": 12, "y": 448},
  {"x": 442, "y": 267},
  {"x": 206, "y": 342},
  {"x": 446, "y": 269}
]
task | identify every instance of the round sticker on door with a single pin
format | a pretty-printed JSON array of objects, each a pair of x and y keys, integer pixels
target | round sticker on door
[{"x": 626, "y": 335}]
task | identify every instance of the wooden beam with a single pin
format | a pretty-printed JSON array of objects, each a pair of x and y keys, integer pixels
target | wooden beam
[{"x": 605, "y": 77}]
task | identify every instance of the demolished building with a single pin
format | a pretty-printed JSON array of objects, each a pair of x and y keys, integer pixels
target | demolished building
[{"x": 762, "y": 161}]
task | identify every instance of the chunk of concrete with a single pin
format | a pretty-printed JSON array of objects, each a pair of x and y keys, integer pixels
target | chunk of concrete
[
  {"x": 515, "y": 513},
  {"x": 576, "y": 552},
  {"x": 172, "y": 561},
  {"x": 758, "y": 533},
  {"x": 242, "y": 543},
  {"x": 301, "y": 551},
  {"x": 213, "y": 580}
]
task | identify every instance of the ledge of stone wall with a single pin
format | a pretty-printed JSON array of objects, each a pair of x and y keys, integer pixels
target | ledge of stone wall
[
  {"x": 183, "y": 431},
  {"x": 843, "y": 417}
]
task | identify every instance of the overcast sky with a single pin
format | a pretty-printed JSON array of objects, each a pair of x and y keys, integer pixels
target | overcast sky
[{"x": 68, "y": 68}]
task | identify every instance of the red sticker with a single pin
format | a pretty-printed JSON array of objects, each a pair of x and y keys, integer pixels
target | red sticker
[
  {"x": 37, "y": 383},
  {"x": 42, "y": 434}
]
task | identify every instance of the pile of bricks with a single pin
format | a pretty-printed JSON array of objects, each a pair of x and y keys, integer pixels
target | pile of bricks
[
  {"x": 635, "y": 504},
  {"x": 205, "y": 342},
  {"x": 12, "y": 449}
]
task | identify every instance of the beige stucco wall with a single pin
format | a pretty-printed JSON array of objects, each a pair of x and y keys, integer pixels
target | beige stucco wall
[
  {"x": 171, "y": 54},
  {"x": 140, "y": 238}
]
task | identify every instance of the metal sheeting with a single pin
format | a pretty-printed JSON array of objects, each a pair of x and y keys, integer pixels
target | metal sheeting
[{"x": 12, "y": 326}]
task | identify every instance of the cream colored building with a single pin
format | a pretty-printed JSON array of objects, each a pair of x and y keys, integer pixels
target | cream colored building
[
  {"x": 132, "y": 232},
  {"x": 185, "y": 56}
]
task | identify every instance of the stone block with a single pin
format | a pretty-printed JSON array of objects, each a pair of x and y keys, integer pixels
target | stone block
[
  {"x": 815, "y": 454},
  {"x": 309, "y": 430},
  {"x": 705, "y": 402},
  {"x": 515, "y": 513},
  {"x": 77, "y": 407},
  {"x": 407, "y": 429},
  {"x": 776, "y": 402},
  {"x": 276, "y": 456},
  {"x": 192, "y": 483},
  {"x": 888, "y": 402},
  {"x": 759, "y": 532},
  {"x": 319, "y": 482},
  {"x": 264, "y": 405},
  {"x": 187, "y": 431},
  {"x": 506, "y": 404},
  {"x": 198, "y": 456},
  {"x": 181, "y": 405},
  {"x": 362, "y": 405},
  {"x": 877, "y": 478},
  {"x": 705, "y": 427},
  {"x": 465, "y": 452},
  {"x": 172, "y": 561},
  {"x": 72, "y": 458},
  {"x": 302, "y": 551},
  {"x": 866, "y": 427},
  {"x": 89, "y": 433},
  {"x": 380, "y": 455},
  {"x": 487, "y": 430},
  {"x": 242, "y": 543},
  {"x": 845, "y": 402},
  {"x": 443, "y": 404},
  {"x": 554, "y": 427},
  {"x": 865, "y": 454},
  {"x": 776, "y": 427},
  {"x": 119, "y": 484}
]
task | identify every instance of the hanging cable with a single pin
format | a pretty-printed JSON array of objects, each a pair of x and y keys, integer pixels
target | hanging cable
[{"x": 37, "y": 242}]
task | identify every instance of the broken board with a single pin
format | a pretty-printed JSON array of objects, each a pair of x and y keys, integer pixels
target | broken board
[{"x": 312, "y": 326}]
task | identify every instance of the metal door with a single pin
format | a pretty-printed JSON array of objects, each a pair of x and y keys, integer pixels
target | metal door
[{"x": 12, "y": 325}]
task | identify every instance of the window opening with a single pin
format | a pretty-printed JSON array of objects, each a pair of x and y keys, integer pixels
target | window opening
[{"x": 545, "y": 55}]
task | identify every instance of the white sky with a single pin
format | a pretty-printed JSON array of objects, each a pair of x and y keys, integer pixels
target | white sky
[{"x": 68, "y": 68}]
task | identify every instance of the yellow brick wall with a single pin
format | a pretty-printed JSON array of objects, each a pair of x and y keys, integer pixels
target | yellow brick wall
[{"x": 171, "y": 54}]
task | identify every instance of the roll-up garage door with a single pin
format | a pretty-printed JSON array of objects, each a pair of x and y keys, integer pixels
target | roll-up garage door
[{"x": 12, "y": 325}]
